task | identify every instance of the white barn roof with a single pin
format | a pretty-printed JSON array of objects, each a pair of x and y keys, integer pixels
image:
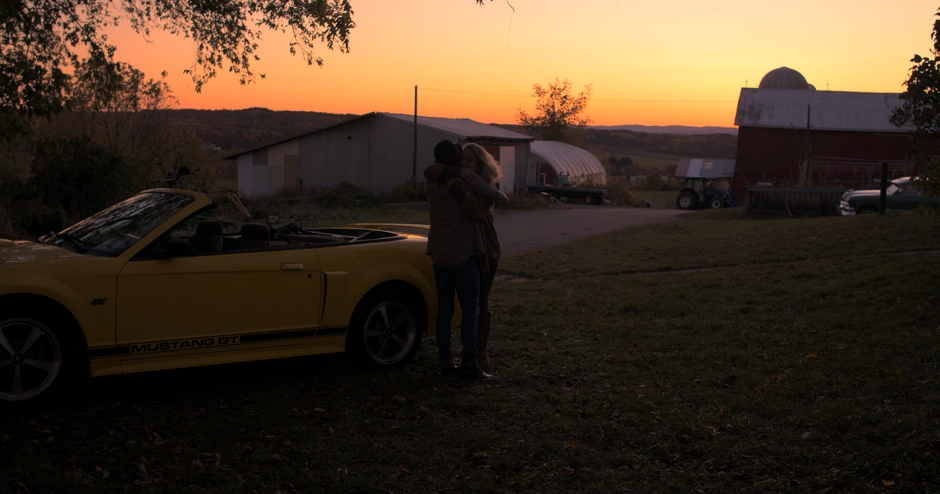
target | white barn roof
[
  {"x": 580, "y": 165},
  {"x": 460, "y": 128},
  {"x": 464, "y": 128},
  {"x": 705, "y": 168},
  {"x": 828, "y": 110}
]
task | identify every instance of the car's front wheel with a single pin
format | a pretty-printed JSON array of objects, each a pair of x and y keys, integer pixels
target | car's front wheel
[
  {"x": 867, "y": 210},
  {"x": 33, "y": 358},
  {"x": 385, "y": 331}
]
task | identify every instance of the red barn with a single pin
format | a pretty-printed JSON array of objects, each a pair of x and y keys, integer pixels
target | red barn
[{"x": 791, "y": 134}]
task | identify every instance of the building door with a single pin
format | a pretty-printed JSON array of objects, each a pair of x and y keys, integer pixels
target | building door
[{"x": 507, "y": 161}]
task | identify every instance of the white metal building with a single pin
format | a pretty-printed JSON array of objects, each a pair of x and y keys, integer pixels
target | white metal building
[
  {"x": 375, "y": 151},
  {"x": 552, "y": 158}
]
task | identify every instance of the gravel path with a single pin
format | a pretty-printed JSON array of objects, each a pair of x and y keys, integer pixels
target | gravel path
[{"x": 533, "y": 230}]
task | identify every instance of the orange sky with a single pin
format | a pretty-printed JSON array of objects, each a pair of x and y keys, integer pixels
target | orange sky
[{"x": 679, "y": 62}]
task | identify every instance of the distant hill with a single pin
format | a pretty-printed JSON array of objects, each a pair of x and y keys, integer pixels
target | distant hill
[
  {"x": 669, "y": 129},
  {"x": 624, "y": 142},
  {"x": 236, "y": 130}
]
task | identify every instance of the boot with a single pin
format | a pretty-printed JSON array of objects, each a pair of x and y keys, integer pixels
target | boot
[
  {"x": 475, "y": 374},
  {"x": 483, "y": 337},
  {"x": 450, "y": 370}
]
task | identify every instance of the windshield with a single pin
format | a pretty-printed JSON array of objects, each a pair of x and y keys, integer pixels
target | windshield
[{"x": 115, "y": 229}]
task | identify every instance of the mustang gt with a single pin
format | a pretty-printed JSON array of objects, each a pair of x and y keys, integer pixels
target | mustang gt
[{"x": 165, "y": 280}]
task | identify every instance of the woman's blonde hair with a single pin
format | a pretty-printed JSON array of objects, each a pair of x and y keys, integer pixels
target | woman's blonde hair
[{"x": 490, "y": 170}]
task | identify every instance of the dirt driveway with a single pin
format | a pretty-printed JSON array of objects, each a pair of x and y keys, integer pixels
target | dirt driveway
[{"x": 533, "y": 230}]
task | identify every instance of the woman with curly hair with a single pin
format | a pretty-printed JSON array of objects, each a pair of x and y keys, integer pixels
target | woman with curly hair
[
  {"x": 480, "y": 171},
  {"x": 476, "y": 159}
]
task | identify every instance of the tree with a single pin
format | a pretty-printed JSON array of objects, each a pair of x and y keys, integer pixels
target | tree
[
  {"x": 557, "y": 111},
  {"x": 920, "y": 106},
  {"x": 118, "y": 108},
  {"x": 41, "y": 41}
]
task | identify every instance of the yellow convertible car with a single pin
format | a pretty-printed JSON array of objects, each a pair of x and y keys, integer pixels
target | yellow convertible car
[{"x": 163, "y": 280}]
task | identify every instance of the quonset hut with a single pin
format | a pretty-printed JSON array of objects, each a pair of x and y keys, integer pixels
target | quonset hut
[
  {"x": 549, "y": 159},
  {"x": 791, "y": 134}
]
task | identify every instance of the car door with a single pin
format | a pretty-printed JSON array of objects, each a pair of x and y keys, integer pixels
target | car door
[
  {"x": 905, "y": 199},
  {"x": 225, "y": 302}
]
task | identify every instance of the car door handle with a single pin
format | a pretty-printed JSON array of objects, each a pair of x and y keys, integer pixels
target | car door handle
[{"x": 294, "y": 266}]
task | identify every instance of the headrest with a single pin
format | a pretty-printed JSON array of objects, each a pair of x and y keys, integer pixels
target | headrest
[
  {"x": 256, "y": 231},
  {"x": 209, "y": 227}
]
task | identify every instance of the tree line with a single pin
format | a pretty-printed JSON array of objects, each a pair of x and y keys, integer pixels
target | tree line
[{"x": 719, "y": 146}]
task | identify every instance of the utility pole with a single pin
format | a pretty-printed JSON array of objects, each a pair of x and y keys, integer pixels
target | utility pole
[
  {"x": 809, "y": 150},
  {"x": 414, "y": 158}
]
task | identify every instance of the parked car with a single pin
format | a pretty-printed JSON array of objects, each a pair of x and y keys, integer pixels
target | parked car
[
  {"x": 162, "y": 280},
  {"x": 902, "y": 195}
]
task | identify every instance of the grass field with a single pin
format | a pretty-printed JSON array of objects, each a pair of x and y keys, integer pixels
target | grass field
[
  {"x": 714, "y": 354},
  {"x": 640, "y": 157}
]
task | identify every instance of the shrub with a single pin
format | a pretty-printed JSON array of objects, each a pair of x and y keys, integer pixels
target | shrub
[
  {"x": 344, "y": 195},
  {"x": 657, "y": 182},
  {"x": 12, "y": 196},
  {"x": 408, "y": 192},
  {"x": 79, "y": 176},
  {"x": 21, "y": 214},
  {"x": 619, "y": 194}
]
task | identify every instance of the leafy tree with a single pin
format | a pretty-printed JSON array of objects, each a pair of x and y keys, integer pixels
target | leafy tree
[
  {"x": 920, "y": 106},
  {"x": 41, "y": 41},
  {"x": 557, "y": 111},
  {"x": 618, "y": 166},
  {"x": 119, "y": 109}
]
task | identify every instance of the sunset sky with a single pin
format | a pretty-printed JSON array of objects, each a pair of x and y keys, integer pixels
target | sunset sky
[{"x": 667, "y": 62}]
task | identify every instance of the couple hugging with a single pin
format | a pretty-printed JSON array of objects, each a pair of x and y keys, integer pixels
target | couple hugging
[{"x": 462, "y": 191}]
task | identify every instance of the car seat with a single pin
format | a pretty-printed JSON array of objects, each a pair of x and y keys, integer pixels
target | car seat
[
  {"x": 253, "y": 236},
  {"x": 208, "y": 237}
]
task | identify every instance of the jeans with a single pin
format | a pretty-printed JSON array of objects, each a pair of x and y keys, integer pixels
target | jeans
[{"x": 465, "y": 280}]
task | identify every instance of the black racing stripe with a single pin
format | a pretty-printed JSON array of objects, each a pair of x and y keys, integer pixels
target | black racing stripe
[
  {"x": 285, "y": 335},
  {"x": 109, "y": 351},
  {"x": 331, "y": 331}
]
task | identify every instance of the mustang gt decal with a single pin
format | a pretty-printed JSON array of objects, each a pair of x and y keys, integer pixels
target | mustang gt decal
[
  {"x": 216, "y": 341},
  {"x": 164, "y": 346}
]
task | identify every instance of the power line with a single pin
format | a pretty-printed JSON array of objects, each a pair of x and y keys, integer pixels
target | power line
[
  {"x": 471, "y": 92},
  {"x": 667, "y": 100},
  {"x": 592, "y": 99}
]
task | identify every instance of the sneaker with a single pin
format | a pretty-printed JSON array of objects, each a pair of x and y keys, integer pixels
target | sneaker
[{"x": 475, "y": 374}]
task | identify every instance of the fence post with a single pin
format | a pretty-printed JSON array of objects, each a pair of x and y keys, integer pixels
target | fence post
[{"x": 883, "y": 201}]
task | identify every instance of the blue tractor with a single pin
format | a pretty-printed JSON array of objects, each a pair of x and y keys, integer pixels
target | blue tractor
[{"x": 707, "y": 183}]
